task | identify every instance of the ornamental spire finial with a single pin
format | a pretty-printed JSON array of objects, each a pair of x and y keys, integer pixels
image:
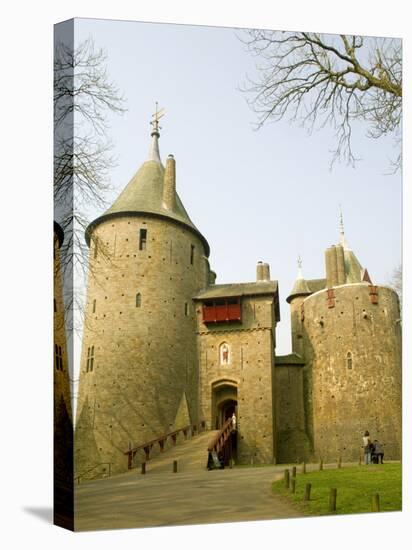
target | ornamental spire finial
[
  {"x": 342, "y": 239},
  {"x": 300, "y": 274},
  {"x": 156, "y": 116},
  {"x": 154, "y": 153}
]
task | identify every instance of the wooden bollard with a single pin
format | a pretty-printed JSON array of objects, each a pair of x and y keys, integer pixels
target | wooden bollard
[
  {"x": 308, "y": 487},
  {"x": 287, "y": 479},
  {"x": 175, "y": 466},
  {"x": 340, "y": 462},
  {"x": 294, "y": 471},
  {"x": 360, "y": 460},
  {"x": 293, "y": 485},
  {"x": 376, "y": 505},
  {"x": 304, "y": 468},
  {"x": 320, "y": 464},
  {"x": 332, "y": 500},
  {"x": 143, "y": 467}
]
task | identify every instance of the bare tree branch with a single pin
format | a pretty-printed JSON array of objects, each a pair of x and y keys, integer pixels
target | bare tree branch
[{"x": 319, "y": 80}]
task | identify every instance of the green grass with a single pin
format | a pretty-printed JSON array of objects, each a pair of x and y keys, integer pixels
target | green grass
[{"x": 355, "y": 487}]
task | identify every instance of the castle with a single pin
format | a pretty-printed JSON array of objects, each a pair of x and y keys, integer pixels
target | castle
[{"x": 164, "y": 346}]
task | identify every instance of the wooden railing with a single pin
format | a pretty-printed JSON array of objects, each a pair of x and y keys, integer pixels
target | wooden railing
[
  {"x": 220, "y": 439},
  {"x": 192, "y": 429}
]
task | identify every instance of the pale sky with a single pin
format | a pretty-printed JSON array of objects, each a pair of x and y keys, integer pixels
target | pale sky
[{"x": 255, "y": 195}]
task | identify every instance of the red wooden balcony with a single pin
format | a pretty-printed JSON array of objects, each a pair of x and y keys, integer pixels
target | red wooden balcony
[{"x": 222, "y": 311}]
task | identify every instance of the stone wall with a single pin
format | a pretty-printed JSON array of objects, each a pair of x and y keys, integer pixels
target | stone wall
[
  {"x": 352, "y": 377},
  {"x": 145, "y": 357},
  {"x": 292, "y": 442},
  {"x": 248, "y": 376}
]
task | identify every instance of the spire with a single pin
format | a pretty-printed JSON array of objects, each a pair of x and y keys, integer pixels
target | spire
[
  {"x": 154, "y": 153},
  {"x": 342, "y": 239},
  {"x": 300, "y": 274}
]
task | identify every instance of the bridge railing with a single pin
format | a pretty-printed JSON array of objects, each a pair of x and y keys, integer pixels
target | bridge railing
[
  {"x": 147, "y": 447},
  {"x": 219, "y": 441},
  {"x": 221, "y": 444}
]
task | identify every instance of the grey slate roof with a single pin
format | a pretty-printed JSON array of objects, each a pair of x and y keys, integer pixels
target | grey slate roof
[
  {"x": 316, "y": 284},
  {"x": 304, "y": 287},
  {"x": 144, "y": 195},
  {"x": 353, "y": 268},
  {"x": 238, "y": 289}
]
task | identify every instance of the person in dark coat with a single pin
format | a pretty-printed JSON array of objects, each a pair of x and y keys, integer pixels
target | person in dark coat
[{"x": 377, "y": 454}]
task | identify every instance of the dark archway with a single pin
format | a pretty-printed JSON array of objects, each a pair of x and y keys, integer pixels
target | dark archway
[
  {"x": 224, "y": 401},
  {"x": 225, "y": 410}
]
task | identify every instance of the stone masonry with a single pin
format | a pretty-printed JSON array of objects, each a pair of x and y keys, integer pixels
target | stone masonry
[{"x": 164, "y": 346}]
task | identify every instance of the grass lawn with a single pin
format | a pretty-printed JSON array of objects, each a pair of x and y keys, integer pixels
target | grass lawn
[{"x": 355, "y": 487}]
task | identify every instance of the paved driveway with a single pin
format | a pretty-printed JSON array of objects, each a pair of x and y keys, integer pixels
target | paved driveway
[{"x": 184, "y": 498}]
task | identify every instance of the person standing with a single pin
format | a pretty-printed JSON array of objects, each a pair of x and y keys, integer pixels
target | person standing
[
  {"x": 366, "y": 447},
  {"x": 233, "y": 422},
  {"x": 378, "y": 451}
]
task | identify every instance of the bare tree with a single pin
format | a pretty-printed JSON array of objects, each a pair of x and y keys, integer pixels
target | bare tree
[
  {"x": 84, "y": 96},
  {"x": 318, "y": 79}
]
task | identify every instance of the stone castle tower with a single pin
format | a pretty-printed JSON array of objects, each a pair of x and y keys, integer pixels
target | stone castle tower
[
  {"x": 165, "y": 347},
  {"x": 347, "y": 331},
  {"x": 139, "y": 368}
]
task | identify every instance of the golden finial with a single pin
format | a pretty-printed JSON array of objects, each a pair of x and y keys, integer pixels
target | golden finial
[{"x": 156, "y": 116}]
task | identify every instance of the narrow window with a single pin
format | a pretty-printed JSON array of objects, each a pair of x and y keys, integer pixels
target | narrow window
[
  {"x": 88, "y": 360},
  {"x": 91, "y": 358},
  {"x": 186, "y": 309},
  {"x": 192, "y": 253},
  {"x": 142, "y": 239},
  {"x": 94, "y": 306},
  {"x": 54, "y": 306},
  {"x": 349, "y": 360},
  {"x": 138, "y": 299},
  {"x": 95, "y": 249}
]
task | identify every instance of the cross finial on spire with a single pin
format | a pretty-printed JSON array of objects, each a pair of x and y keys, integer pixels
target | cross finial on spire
[
  {"x": 300, "y": 274},
  {"x": 156, "y": 116},
  {"x": 342, "y": 239}
]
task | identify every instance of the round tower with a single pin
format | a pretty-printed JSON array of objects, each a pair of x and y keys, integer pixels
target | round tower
[
  {"x": 352, "y": 349},
  {"x": 296, "y": 298},
  {"x": 139, "y": 372}
]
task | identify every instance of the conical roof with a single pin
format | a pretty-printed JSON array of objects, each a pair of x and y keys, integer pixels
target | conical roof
[
  {"x": 144, "y": 195},
  {"x": 300, "y": 288},
  {"x": 353, "y": 269}
]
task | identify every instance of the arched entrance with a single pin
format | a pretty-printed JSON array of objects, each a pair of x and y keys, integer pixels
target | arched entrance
[
  {"x": 224, "y": 404},
  {"x": 224, "y": 401}
]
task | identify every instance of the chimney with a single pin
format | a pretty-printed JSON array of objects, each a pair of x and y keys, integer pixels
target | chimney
[
  {"x": 212, "y": 277},
  {"x": 169, "y": 184},
  {"x": 335, "y": 266},
  {"x": 262, "y": 272}
]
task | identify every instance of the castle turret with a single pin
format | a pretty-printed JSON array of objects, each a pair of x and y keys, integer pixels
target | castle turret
[
  {"x": 351, "y": 341},
  {"x": 299, "y": 292},
  {"x": 139, "y": 360}
]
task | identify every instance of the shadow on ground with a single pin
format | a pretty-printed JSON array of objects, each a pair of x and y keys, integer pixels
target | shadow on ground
[{"x": 43, "y": 513}]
